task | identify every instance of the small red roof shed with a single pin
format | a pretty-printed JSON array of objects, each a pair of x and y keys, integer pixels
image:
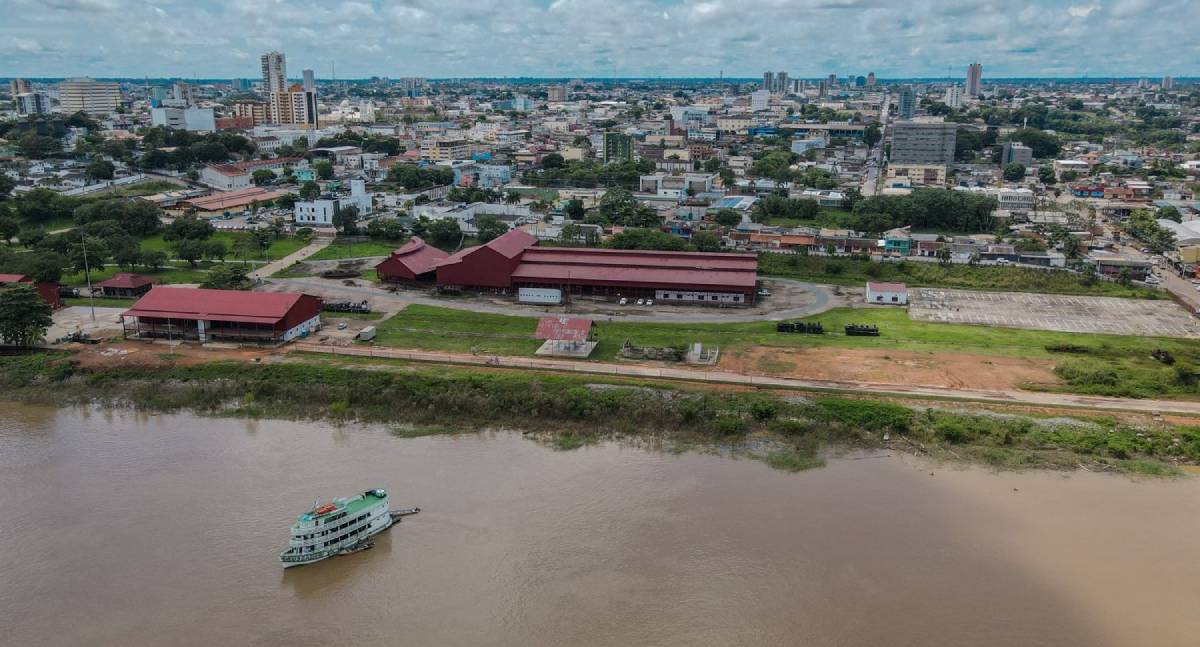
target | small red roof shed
[{"x": 564, "y": 329}]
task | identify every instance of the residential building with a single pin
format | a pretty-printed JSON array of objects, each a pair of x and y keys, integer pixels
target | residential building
[
  {"x": 1016, "y": 152},
  {"x": 871, "y": 80},
  {"x": 19, "y": 86},
  {"x": 954, "y": 96},
  {"x": 618, "y": 147},
  {"x": 760, "y": 100},
  {"x": 316, "y": 213},
  {"x": 192, "y": 119},
  {"x": 445, "y": 149},
  {"x": 556, "y": 93},
  {"x": 915, "y": 175},
  {"x": 225, "y": 177},
  {"x": 916, "y": 142},
  {"x": 974, "y": 79},
  {"x": 831, "y": 130},
  {"x": 88, "y": 95},
  {"x": 275, "y": 86},
  {"x": 906, "y": 102},
  {"x": 768, "y": 82},
  {"x": 32, "y": 103},
  {"x": 255, "y": 111},
  {"x": 781, "y": 83}
]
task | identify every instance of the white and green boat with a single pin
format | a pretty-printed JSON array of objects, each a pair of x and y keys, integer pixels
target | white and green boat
[{"x": 341, "y": 526}]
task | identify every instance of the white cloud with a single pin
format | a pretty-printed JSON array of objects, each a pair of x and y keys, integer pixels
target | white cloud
[{"x": 808, "y": 38}]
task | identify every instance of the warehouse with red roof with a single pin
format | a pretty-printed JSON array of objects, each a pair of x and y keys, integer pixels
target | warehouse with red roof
[
  {"x": 413, "y": 261},
  {"x": 514, "y": 261},
  {"x": 48, "y": 290},
  {"x": 197, "y": 314}
]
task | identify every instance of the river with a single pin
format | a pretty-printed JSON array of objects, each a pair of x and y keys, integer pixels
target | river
[{"x": 127, "y": 529}]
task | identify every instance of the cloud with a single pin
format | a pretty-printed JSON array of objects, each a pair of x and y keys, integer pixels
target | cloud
[{"x": 455, "y": 38}]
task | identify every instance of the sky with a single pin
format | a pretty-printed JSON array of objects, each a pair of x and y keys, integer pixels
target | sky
[{"x": 599, "y": 38}]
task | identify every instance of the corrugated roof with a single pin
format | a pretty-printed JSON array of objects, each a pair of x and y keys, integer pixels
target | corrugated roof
[
  {"x": 512, "y": 243},
  {"x": 12, "y": 278},
  {"x": 564, "y": 329},
  {"x": 224, "y": 305},
  {"x": 640, "y": 258},
  {"x": 683, "y": 279},
  {"x": 125, "y": 280},
  {"x": 886, "y": 287},
  {"x": 418, "y": 256}
]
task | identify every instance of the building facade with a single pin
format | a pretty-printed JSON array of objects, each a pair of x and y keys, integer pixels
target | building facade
[
  {"x": 923, "y": 143},
  {"x": 89, "y": 96}
]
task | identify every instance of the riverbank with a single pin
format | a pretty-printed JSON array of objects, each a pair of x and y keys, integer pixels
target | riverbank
[{"x": 788, "y": 431}]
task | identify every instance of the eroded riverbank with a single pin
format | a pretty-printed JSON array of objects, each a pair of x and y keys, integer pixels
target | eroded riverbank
[{"x": 163, "y": 528}]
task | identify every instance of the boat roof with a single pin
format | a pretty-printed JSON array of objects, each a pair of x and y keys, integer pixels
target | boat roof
[{"x": 349, "y": 506}]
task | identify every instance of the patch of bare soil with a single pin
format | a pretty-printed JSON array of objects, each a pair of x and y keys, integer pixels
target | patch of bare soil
[{"x": 906, "y": 368}]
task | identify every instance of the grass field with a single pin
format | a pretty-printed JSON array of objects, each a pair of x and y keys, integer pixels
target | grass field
[
  {"x": 1099, "y": 364},
  {"x": 339, "y": 251},
  {"x": 832, "y": 218},
  {"x": 280, "y": 247},
  {"x": 149, "y": 187},
  {"x": 176, "y": 273},
  {"x": 844, "y": 270}
]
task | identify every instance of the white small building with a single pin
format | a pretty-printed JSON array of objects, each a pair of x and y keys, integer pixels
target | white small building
[
  {"x": 226, "y": 177},
  {"x": 316, "y": 213},
  {"x": 887, "y": 293}
]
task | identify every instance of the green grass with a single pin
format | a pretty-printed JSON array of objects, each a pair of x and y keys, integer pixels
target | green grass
[
  {"x": 829, "y": 218},
  {"x": 857, "y": 271},
  {"x": 99, "y": 302},
  {"x": 790, "y": 460},
  {"x": 149, "y": 187},
  {"x": 365, "y": 316},
  {"x": 549, "y": 195},
  {"x": 178, "y": 272},
  {"x": 1118, "y": 364},
  {"x": 280, "y": 247},
  {"x": 340, "y": 251}
]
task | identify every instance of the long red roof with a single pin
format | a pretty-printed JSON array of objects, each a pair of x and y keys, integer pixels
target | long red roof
[
  {"x": 681, "y": 279},
  {"x": 125, "y": 280},
  {"x": 221, "y": 305},
  {"x": 564, "y": 329},
  {"x": 640, "y": 258}
]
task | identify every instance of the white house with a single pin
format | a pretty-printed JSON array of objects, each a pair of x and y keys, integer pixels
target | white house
[
  {"x": 887, "y": 293},
  {"x": 225, "y": 177},
  {"x": 318, "y": 213}
]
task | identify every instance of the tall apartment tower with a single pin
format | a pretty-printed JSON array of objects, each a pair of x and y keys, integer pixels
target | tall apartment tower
[
  {"x": 275, "y": 87},
  {"x": 781, "y": 82},
  {"x": 906, "y": 102},
  {"x": 768, "y": 81},
  {"x": 974, "y": 79},
  {"x": 1168, "y": 83},
  {"x": 923, "y": 143},
  {"x": 871, "y": 80},
  {"x": 88, "y": 95},
  {"x": 19, "y": 86},
  {"x": 310, "y": 81}
]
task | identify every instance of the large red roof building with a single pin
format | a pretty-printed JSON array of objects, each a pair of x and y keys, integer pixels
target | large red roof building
[
  {"x": 415, "y": 260},
  {"x": 198, "y": 314},
  {"x": 514, "y": 261}
]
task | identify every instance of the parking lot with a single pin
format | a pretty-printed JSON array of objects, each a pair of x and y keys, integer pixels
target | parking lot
[{"x": 1053, "y": 312}]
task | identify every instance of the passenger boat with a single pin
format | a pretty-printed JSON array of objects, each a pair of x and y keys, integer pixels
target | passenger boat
[{"x": 341, "y": 526}]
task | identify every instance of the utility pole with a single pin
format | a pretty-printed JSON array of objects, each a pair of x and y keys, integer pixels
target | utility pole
[{"x": 87, "y": 274}]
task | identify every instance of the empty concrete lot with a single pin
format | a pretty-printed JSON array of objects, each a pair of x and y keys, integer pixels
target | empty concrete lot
[{"x": 1054, "y": 312}]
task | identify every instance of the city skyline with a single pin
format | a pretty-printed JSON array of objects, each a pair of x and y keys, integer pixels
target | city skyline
[{"x": 567, "y": 38}]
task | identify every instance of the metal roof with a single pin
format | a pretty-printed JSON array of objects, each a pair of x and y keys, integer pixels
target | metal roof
[
  {"x": 564, "y": 329},
  {"x": 223, "y": 305}
]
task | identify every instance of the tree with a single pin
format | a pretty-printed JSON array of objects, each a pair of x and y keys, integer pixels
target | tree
[
  {"x": 444, "y": 232},
  {"x": 7, "y": 184},
  {"x": 226, "y": 277},
  {"x": 190, "y": 250},
  {"x": 1014, "y": 172},
  {"x": 153, "y": 259},
  {"x": 24, "y": 315},
  {"x": 1043, "y": 144},
  {"x": 712, "y": 165},
  {"x": 286, "y": 201},
  {"x": 1046, "y": 175},
  {"x": 262, "y": 176},
  {"x": 574, "y": 209},
  {"x": 309, "y": 190},
  {"x": 36, "y": 146},
  {"x": 323, "y": 169},
  {"x": 100, "y": 169},
  {"x": 512, "y": 197},
  {"x": 706, "y": 241},
  {"x": 553, "y": 161},
  {"x": 489, "y": 228},
  {"x": 346, "y": 219},
  {"x": 188, "y": 228},
  {"x": 9, "y": 227},
  {"x": 872, "y": 135},
  {"x": 216, "y": 250},
  {"x": 1170, "y": 213},
  {"x": 727, "y": 218},
  {"x": 943, "y": 255}
]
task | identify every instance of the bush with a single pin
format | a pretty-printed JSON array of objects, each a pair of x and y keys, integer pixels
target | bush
[
  {"x": 730, "y": 425},
  {"x": 764, "y": 410},
  {"x": 865, "y": 414}
]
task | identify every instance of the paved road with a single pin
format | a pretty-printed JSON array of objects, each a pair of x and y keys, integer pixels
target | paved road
[
  {"x": 392, "y": 301},
  {"x": 1026, "y": 398},
  {"x": 312, "y": 248}
]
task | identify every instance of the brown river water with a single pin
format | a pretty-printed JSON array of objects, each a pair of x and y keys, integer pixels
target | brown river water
[{"x": 126, "y": 529}]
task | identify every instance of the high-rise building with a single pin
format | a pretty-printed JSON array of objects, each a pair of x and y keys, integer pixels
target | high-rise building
[
  {"x": 310, "y": 81},
  {"x": 238, "y": 85},
  {"x": 781, "y": 83},
  {"x": 556, "y": 93},
  {"x": 923, "y": 143},
  {"x": 860, "y": 81},
  {"x": 1168, "y": 83},
  {"x": 974, "y": 79},
  {"x": 19, "y": 86},
  {"x": 871, "y": 80},
  {"x": 768, "y": 81},
  {"x": 760, "y": 100},
  {"x": 275, "y": 87},
  {"x": 618, "y": 147},
  {"x": 906, "y": 102},
  {"x": 255, "y": 111},
  {"x": 32, "y": 103},
  {"x": 832, "y": 81},
  {"x": 954, "y": 96},
  {"x": 88, "y": 95}
]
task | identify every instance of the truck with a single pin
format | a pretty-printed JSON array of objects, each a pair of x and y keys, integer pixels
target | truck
[{"x": 366, "y": 334}]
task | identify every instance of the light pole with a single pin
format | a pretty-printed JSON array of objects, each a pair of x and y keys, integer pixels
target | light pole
[{"x": 87, "y": 274}]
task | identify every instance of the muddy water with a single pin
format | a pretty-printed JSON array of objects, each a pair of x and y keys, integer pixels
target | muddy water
[{"x": 121, "y": 529}]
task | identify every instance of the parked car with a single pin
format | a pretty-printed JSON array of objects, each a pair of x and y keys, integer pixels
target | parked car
[
  {"x": 623, "y": 301},
  {"x": 641, "y": 302},
  {"x": 342, "y": 326},
  {"x": 649, "y": 302}
]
